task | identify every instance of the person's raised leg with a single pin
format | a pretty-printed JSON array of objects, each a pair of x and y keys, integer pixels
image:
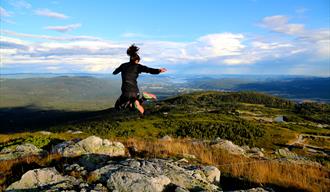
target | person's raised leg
[{"x": 138, "y": 106}]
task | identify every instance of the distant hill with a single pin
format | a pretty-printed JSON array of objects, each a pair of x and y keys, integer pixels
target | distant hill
[
  {"x": 298, "y": 88},
  {"x": 81, "y": 93},
  {"x": 88, "y": 92}
]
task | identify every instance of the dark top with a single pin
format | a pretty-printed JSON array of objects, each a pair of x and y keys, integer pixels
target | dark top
[{"x": 129, "y": 74}]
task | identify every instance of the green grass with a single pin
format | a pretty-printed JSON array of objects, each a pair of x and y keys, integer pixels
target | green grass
[
  {"x": 242, "y": 117},
  {"x": 207, "y": 115}
]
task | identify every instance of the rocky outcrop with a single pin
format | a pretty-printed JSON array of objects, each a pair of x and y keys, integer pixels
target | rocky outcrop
[
  {"x": 123, "y": 175},
  {"x": 26, "y": 149},
  {"x": 43, "y": 179},
  {"x": 90, "y": 145},
  {"x": 231, "y": 148},
  {"x": 155, "y": 175},
  {"x": 92, "y": 168},
  {"x": 228, "y": 146}
]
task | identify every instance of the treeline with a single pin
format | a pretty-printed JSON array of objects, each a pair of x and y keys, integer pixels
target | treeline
[
  {"x": 312, "y": 111},
  {"x": 229, "y": 101},
  {"x": 217, "y": 98}
]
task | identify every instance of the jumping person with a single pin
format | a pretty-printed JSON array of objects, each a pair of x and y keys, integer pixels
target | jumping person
[{"x": 130, "y": 96}]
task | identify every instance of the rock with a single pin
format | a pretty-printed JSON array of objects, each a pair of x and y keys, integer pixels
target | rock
[
  {"x": 153, "y": 175},
  {"x": 46, "y": 178},
  {"x": 183, "y": 160},
  {"x": 286, "y": 153},
  {"x": 228, "y": 146},
  {"x": 279, "y": 119},
  {"x": 166, "y": 138},
  {"x": 259, "y": 189},
  {"x": 99, "y": 188},
  {"x": 255, "y": 152},
  {"x": 45, "y": 132},
  {"x": 312, "y": 150},
  {"x": 75, "y": 170},
  {"x": 246, "y": 147},
  {"x": 180, "y": 189},
  {"x": 188, "y": 156},
  {"x": 131, "y": 181},
  {"x": 77, "y": 132},
  {"x": 90, "y": 145},
  {"x": 212, "y": 174},
  {"x": 93, "y": 161},
  {"x": 26, "y": 149}
]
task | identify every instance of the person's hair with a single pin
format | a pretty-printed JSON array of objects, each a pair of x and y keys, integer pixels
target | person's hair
[{"x": 132, "y": 53}]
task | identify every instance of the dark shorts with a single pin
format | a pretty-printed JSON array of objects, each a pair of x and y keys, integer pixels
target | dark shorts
[{"x": 126, "y": 100}]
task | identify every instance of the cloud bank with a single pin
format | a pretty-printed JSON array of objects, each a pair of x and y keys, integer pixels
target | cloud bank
[{"x": 228, "y": 51}]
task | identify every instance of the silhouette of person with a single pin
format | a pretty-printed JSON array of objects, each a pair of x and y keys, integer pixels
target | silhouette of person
[{"x": 130, "y": 96}]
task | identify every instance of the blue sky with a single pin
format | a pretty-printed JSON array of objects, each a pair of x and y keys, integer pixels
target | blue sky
[{"x": 192, "y": 37}]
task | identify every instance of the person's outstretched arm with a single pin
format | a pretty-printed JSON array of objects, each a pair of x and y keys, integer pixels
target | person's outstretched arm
[
  {"x": 119, "y": 69},
  {"x": 146, "y": 69}
]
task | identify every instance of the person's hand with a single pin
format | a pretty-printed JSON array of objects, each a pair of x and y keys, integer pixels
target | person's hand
[{"x": 162, "y": 70}]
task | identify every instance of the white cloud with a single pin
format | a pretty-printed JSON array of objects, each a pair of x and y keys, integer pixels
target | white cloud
[
  {"x": 51, "y": 38},
  {"x": 314, "y": 41},
  {"x": 222, "y": 44},
  {"x": 20, "y": 4},
  {"x": 233, "y": 50},
  {"x": 279, "y": 23},
  {"x": 269, "y": 46},
  {"x": 64, "y": 28},
  {"x": 49, "y": 13},
  {"x": 4, "y": 13}
]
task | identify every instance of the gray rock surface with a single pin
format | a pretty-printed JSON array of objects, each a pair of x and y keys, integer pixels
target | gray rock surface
[
  {"x": 259, "y": 189},
  {"x": 254, "y": 152},
  {"x": 122, "y": 175},
  {"x": 19, "y": 151},
  {"x": 286, "y": 153},
  {"x": 232, "y": 148},
  {"x": 154, "y": 175},
  {"x": 228, "y": 146},
  {"x": 129, "y": 180},
  {"x": 166, "y": 138},
  {"x": 90, "y": 145},
  {"x": 212, "y": 174},
  {"x": 46, "y": 178}
]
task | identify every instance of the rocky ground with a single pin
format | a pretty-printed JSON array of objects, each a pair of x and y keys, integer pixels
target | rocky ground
[{"x": 103, "y": 165}]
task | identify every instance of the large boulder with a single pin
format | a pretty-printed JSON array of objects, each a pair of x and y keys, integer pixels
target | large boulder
[
  {"x": 212, "y": 174},
  {"x": 228, "y": 146},
  {"x": 90, "y": 145},
  {"x": 155, "y": 175},
  {"x": 26, "y": 149},
  {"x": 43, "y": 179},
  {"x": 129, "y": 180}
]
